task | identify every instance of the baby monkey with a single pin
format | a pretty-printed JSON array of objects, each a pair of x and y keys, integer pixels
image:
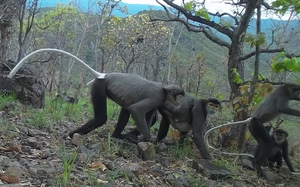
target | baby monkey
[{"x": 280, "y": 150}]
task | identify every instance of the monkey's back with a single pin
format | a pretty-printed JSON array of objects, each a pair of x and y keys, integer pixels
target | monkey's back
[
  {"x": 268, "y": 109},
  {"x": 127, "y": 89}
]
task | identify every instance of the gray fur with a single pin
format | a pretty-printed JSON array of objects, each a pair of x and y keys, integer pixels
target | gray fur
[
  {"x": 127, "y": 89},
  {"x": 277, "y": 102}
]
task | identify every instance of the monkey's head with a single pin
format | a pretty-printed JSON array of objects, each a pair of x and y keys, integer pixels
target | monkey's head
[
  {"x": 213, "y": 107},
  {"x": 293, "y": 89},
  {"x": 174, "y": 93},
  {"x": 280, "y": 136}
]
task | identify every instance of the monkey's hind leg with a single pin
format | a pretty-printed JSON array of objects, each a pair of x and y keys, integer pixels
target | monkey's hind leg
[
  {"x": 132, "y": 136},
  {"x": 98, "y": 93},
  {"x": 138, "y": 113},
  {"x": 122, "y": 122}
]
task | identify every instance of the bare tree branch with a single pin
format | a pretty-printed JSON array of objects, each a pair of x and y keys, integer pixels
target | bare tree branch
[
  {"x": 190, "y": 27},
  {"x": 288, "y": 55},
  {"x": 261, "y": 51}
]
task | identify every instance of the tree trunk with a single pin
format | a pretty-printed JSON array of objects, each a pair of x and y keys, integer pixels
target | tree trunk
[{"x": 235, "y": 51}]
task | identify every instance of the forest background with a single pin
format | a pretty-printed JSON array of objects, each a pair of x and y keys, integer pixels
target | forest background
[{"x": 163, "y": 51}]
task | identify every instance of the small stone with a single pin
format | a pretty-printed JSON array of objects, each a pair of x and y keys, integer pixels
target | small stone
[
  {"x": 77, "y": 139},
  {"x": 146, "y": 149},
  {"x": 14, "y": 170}
]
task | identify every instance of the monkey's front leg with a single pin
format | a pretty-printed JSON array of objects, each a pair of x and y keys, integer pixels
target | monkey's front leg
[{"x": 138, "y": 113}]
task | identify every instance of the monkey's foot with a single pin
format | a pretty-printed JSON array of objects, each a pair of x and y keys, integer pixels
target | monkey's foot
[{"x": 131, "y": 138}]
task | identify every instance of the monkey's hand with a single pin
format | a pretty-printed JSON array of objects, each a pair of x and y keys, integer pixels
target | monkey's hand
[{"x": 199, "y": 142}]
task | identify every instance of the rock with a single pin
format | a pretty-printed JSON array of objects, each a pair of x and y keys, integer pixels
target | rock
[
  {"x": 77, "y": 139},
  {"x": 146, "y": 149},
  {"x": 271, "y": 176},
  {"x": 134, "y": 158},
  {"x": 14, "y": 170},
  {"x": 83, "y": 158},
  {"x": 4, "y": 161},
  {"x": 210, "y": 170},
  {"x": 136, "y": 169},
  {"x": 11, "y": 185},
  {"x": 180, "y": 181},
  {"x": 246, "y": 163},
  {"x": 285, "y": 171},
  {"x": 32, "y": 141},
  {"x": 161, "y": 147},
  {"x": 26, "y": 149},
  {"x": 30, "y": 89},
  {"x": 109, "y": 165}
]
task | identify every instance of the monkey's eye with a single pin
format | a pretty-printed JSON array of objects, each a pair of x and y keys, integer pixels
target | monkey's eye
[
  {"x": 210, "y": 104},
  {"x": 217, "y": 106}
]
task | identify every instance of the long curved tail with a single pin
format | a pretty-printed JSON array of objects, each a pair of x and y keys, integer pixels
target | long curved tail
[
  {"x": 227, "y": 124},
  {"x": 18, "y": 66}
]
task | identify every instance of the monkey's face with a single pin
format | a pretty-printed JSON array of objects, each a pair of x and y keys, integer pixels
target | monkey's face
[
  {"x": 279, "y": 138},
  {"x": 213, "y": 109}
]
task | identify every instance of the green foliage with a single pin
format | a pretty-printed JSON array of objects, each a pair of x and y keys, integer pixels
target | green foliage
[
  {"x": 281, "y": 63},
  {"x": 201, "y": 12},
  {"x": 188, "y": 6},
  {"x": 236, "y": 78},
  {"x": 285, "y": 5},
  {"x": 255, "y": 39}
]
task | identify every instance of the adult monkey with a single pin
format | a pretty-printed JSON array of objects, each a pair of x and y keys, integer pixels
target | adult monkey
[
  {"x": 280, "y": 150},
  {"x": 189, "y": 115},
  {"x": 136, "y": 95},
  {"x": 273, "y": 105}
]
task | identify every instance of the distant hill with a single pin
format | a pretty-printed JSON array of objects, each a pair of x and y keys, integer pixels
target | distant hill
[
  {"x": 132, "y": 8},
  {"x": 267, "y": 24}
]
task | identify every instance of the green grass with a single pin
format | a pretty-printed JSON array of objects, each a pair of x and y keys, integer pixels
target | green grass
[
  {"x": 179, "y": 151},
  {"x": 6, "y": 99},
  {"x": 57, "y": 111},
  {"x": 68, "y": 160}
]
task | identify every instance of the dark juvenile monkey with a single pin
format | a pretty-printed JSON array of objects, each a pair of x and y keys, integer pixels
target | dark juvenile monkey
[
  {"x": 189, "y": 115},
  {"x": 137, "y": 96},
  {"x": 273, "y": 105},
  {"x": 280, "y": 150}
]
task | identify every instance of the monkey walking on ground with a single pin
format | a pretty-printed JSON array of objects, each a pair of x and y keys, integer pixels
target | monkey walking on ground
[
  {"x": 279, "y": 150},
  {"x": 273, "y": 105},
  {"x": 137, "y": 96},
  {"x": 189, "y": 115}
]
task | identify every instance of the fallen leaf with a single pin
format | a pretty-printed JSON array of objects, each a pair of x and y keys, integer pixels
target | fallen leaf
[
  {"x": 175, "y": 134},
  {"x": 11, "y": 149},
  {"x": 9, "y": 178},
  {"x": 222, "y": 130},
  {"x": 102, "y": 181},
  {"x": 97, "y": 165}
]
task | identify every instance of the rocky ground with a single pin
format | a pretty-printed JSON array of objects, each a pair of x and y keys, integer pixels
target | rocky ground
[{"x": 32, "y": 156}]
